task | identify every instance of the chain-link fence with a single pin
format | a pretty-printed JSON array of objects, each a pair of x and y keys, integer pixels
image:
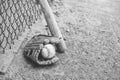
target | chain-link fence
[{"x": 15, "y": 17}]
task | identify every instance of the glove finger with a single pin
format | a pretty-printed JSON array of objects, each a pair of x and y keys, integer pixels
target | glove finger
[
  {"x": 54, "y": 40},
  {"x": 48, "y": 62}
]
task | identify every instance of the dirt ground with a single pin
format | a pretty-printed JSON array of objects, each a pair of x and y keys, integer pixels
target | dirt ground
[{"x": 92, "y": 32}]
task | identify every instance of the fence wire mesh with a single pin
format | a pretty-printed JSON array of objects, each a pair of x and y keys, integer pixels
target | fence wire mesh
[{"x": 15, "y": 17}]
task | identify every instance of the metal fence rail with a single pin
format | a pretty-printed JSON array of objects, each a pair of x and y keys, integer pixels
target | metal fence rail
[{"x": 15, "y": 17}]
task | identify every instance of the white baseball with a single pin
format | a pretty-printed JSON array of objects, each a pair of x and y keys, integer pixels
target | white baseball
[{"x": 48, "y": 51}]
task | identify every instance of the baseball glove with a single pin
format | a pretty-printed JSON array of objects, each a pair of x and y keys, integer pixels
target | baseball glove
[{"x": 34, "y": 47}]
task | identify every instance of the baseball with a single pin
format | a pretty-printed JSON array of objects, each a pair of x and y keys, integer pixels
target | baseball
[{"x": 48, "y": 51}]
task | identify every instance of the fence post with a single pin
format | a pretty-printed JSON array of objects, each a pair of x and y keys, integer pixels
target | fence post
[{"x": 52, "y": 24}]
